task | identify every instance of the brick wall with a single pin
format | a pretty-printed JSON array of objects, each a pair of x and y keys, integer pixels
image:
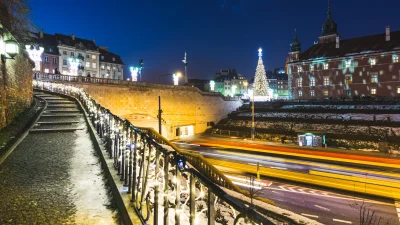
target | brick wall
[{"x": 15, "y": 88}]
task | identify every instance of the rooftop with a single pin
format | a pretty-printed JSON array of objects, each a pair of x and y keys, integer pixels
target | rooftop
[{"x": 354, "y": 46}]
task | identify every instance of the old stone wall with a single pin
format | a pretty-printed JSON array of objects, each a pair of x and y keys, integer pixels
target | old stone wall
[
  {"x": 15, "y": 87},
  {"x": 181, "y": 106}
]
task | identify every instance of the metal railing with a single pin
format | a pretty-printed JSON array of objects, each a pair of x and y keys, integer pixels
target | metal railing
[
  {"x": 160, "y": 179},
  {"x": 82, "y": 79}
]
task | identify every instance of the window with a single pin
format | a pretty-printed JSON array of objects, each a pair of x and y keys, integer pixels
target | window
[
  {"x": 50, "y": 50},
  {"x": 398, "y": 90},
  {"x": 46, "y": 70},
  {"x": 87, "y": 56},
  {"x": 348, "y": 63},
  {"x": 348, "y": 79},
  {"x": 300, "y": 93},
  {"x": 94, "y": 65},
  {"x": 79, "y": 54},
  {"x": 72, "y": 54},
  {"x": 299, "y": 69},
  {"x": 54, "y": 60},
  {"x": 372, "y": 61},
  {"x": 46, "y": 59},
  {"x": 395, "y": 59},
  {"x": 299, "y": 82},
  {"x": 65, "y": 62},
  {"x": 312, "y": 93},
  {"x": 93, "y": 56},
  {"x": 312, "y": 81},
  {"x": 326, "y": 81},
  {"x": 373, "y": 91},
  {"x": 326, "y": 92},
  {"x": 348, "y": 92},
  {"x": 87, "y": 65},
  {"x": 374, "y": 78},
  {"x": 326, "y": 66},
  {"x": 102, "y": 57},
  {"x": 113, "y": 59},
  {"x": 311, "y": 68},
  {"x": 102, "y": 67},
  {"x": 108, "y": 67},
  {"x": 64, "y": 52}
]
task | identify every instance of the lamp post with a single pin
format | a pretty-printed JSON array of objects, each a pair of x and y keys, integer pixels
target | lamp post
[
  {"x": 253, "y": 127},
  {"x": 140, "y": 69},
  {"x": 176, "y": 80}
]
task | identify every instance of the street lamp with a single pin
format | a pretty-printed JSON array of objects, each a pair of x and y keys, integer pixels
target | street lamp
[
  {"x": 10, "y": 48},
  {"x": 134, "y": 73},
  {"x": 175, "y": 77},
  {"x": 212, "y": 85}
]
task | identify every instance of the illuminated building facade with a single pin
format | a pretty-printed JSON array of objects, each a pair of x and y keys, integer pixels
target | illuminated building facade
[
  {"x": 70, "y": 55},
  {"x": 334, "y": 68},
  {"x": 111, "y": 65},
  {"x": 230, "y": 83}
]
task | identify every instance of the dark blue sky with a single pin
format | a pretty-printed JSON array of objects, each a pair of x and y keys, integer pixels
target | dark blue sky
[{"x": 216, "y": 33}]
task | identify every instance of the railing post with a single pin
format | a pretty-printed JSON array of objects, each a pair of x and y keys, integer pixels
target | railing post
[
  {"x": 211, "y": 208},
  {"x": 134, "y": 169},
  {"x": 192, "y": 203},
  {"x": 166, "y": 203},
  {"x": 177, "y": 194},
  {"x": 123, "y": 154},
  {"x": 156, "y": 187}
]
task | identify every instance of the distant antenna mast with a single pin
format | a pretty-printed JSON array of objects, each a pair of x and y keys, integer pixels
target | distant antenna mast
[{"x": 185, "y": 62}]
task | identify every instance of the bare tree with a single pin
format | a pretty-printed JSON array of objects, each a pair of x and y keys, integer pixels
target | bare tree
[
  {"x": 15, "y": 16},
  {"x": 368, "y": 215}
]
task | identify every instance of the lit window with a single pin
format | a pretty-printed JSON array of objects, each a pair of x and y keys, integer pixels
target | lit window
[
  {"x": 299, "y": 69},
  {"x": 46, "y": 59},
  {"x": 326, "y": 66},
  {"x": 102, "y": 67},
  {"x": 312, "y": 81},
  {"x": 312, "y": 93},
  {"x": 348, "y": 79},
  {"x": 113, "y": 59},
  {"x": 372, "y": 62},
  {"x": 93, "y": 56},
  {"x": 299, "y": 82},
  {"x": 326, "y": 81},
  {"x": 87, "y": 65},
  {"x": 46, "y": 70},
  {"x": 87, "y": 56},
  {"x": 94, "y": 65},
  {"x": 398, "y": 90},
  {"x": 374, "y": 78},
  {"x": 312, "y": 68},
  {"x": 395, "y": 59},
  {"x": 326, "y": 92},
  {"x": 54, "y": 60},
  {"x": 65, "y": 62},
  {"x": 373, "y": 91},
  {"x": 348, "y": 63},
  {"x": 102, "y": 57},
  {"x": 72, "y": 54},
  {"x": 300, "y": 93},
  {"x": 64, "y": 52},
  {"x": 348, "y": 92}
]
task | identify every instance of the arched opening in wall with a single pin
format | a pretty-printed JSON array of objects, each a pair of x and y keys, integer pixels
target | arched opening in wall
[{"x": 144, "y": 120}]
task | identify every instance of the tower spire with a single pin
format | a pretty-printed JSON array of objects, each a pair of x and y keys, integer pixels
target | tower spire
[{"x": 329, "y": 9}]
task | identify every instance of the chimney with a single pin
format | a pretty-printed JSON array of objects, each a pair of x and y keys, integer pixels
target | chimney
[
  {"x": 337, "y": 41},
  {"x": 387, "y": 33},
  {"x": 41, "y": 34},
  {"x": 73, "y": 36}
]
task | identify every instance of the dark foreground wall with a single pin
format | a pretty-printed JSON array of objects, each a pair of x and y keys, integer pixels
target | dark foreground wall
[{"x": 15, "y": 87}]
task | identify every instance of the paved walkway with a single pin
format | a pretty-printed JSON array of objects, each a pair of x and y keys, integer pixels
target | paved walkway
[{"x": 54, "y": 175}]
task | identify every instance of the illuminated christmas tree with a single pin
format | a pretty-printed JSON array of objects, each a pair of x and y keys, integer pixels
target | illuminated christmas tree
[{"x": 260, "y": 80}]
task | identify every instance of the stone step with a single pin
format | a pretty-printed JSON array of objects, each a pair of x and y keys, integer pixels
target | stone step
[
  {"x": 38, "y": 130},
  {"x": 57, "y": 122},
  {"x": 62, "y": 111},
  {"x": 60, "y": 102},
  {"x": 60, "y": 115},
  {"x": 62, "y": 106}
]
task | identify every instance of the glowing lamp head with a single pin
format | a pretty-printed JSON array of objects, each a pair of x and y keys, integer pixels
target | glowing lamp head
[{"x": 11, "y": 48}]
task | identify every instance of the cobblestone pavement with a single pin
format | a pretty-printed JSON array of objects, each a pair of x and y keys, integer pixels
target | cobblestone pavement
[{"x": 55, "y": 178}]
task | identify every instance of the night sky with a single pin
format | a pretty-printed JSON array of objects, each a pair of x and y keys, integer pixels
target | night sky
[{"x": 216, "y": 33}]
